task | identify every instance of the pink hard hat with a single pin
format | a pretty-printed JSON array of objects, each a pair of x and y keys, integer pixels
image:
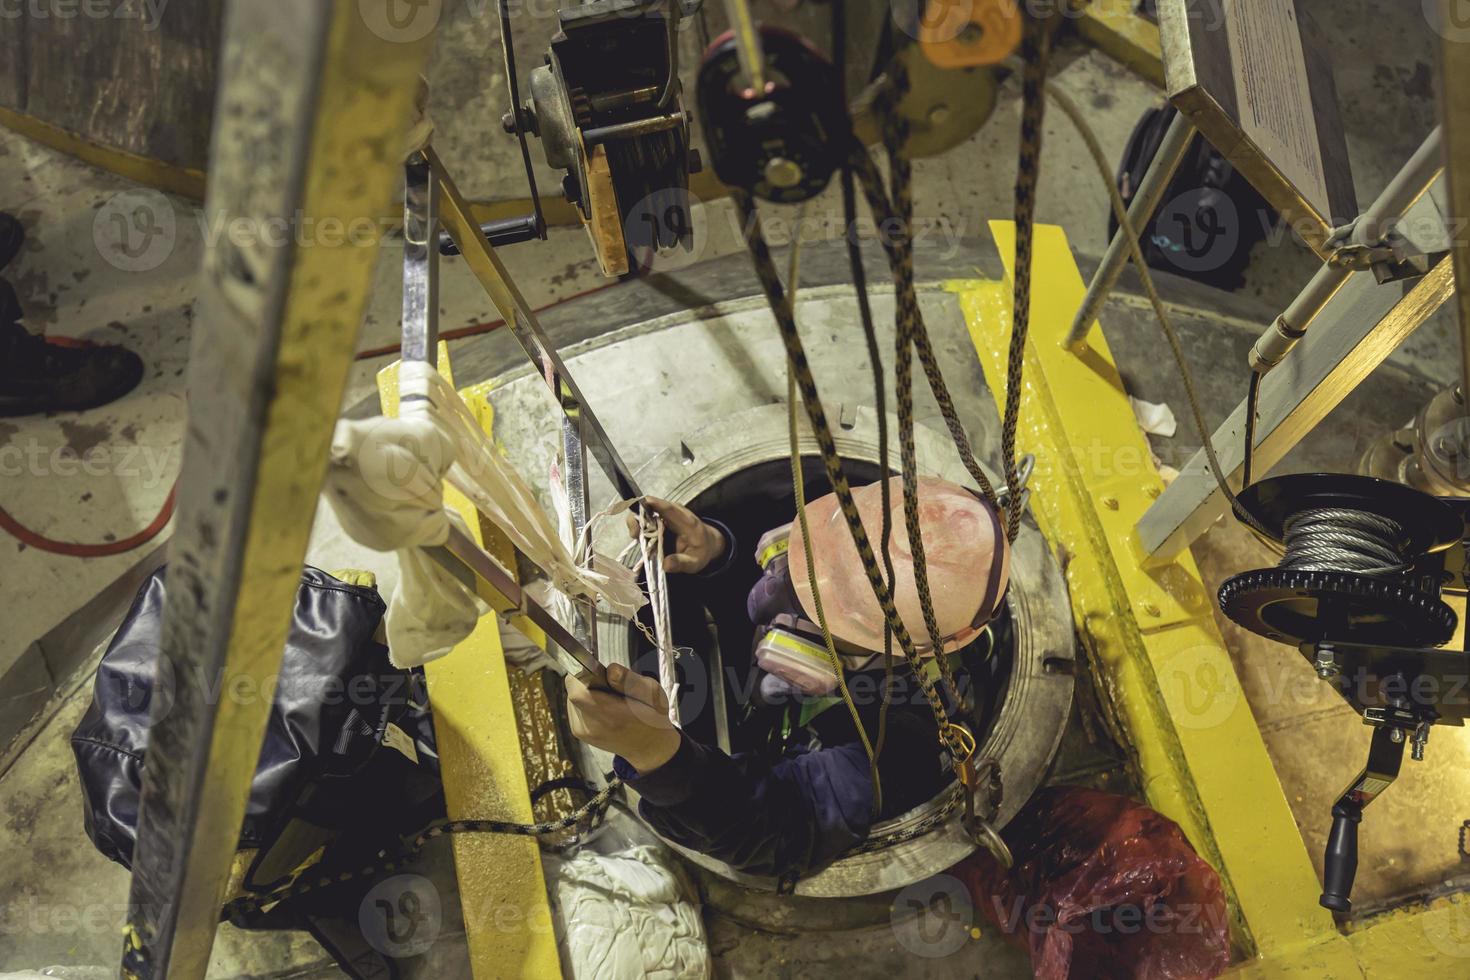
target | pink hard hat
[{"x": 966, "y": 555}]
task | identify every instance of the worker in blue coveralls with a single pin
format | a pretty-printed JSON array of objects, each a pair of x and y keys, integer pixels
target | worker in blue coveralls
[{"x": 796, "y": 789}]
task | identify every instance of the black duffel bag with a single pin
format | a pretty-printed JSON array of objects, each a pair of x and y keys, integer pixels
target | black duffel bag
[{"x": 347, "y": 766}]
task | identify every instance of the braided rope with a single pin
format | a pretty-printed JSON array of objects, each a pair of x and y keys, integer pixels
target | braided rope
[
  {"x": 798, "y": 489},
  {"x": 910, "y": 318},
  {"x": 907, "y": 324},
  {"x": 875, "y": 366},
  {"x": 1035, "y": 53},
  {"x": 816, "y": 414}
]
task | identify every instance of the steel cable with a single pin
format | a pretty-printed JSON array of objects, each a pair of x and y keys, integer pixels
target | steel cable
[
  {"x": 1338, "y": 539},
  {"x": 1130, "y": 233}
]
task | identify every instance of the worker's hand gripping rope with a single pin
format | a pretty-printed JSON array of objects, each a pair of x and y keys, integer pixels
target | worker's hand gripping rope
[{"x": 651, "y": 548}]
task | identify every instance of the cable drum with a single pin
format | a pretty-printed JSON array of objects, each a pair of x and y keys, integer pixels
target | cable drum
[
  {"x": 1353, "y": 567},
  {"x": 1337, "y": 539}
]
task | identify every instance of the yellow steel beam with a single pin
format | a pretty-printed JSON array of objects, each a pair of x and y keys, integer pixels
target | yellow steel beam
[
  {"x": 1149, "y": 632},
  {"x": 1116, "y": 29},
  {"x": 507, "y": 915},
  {"x": 148, "y": 171}
]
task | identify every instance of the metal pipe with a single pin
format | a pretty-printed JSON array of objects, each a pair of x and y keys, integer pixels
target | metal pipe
[
  {"x": 267, "y": 369},
  {"x": 1291, "y": 326},
  {"x": 499, "y": 233},
  {"x": 747, "y": 43},
  {"x": 1161, "y": 170},
  {"x": 636, "y": 127},
  {"x": 1407, "y": 186},
  {"x": 1403, "y": 190},
  {"x": 1454, "y": 100},
  {"x": 420, "y": 262}
]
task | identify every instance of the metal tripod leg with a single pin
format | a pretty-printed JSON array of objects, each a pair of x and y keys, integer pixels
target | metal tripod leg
[
  {"x": 1166, "y": 161},
  {"x": 312, "y": 110}
]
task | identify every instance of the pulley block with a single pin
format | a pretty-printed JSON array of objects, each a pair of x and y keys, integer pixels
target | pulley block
[
  {"x": 781, "y": 144},
  {"x": 969, "y": 33}
]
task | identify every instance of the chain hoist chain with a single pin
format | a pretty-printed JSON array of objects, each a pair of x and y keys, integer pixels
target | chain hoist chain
[
  {"x": 936, "y": 819},
  {"x": 587, "y": 815}
]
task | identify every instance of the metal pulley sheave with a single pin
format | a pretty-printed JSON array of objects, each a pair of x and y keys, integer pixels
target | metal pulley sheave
[
  {"x": 607, "y": 108},
  {"x": 782, "y": 136}
]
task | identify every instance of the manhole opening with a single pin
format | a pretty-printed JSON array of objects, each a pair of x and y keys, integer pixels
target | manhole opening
[{"x": 755, "y": 499}]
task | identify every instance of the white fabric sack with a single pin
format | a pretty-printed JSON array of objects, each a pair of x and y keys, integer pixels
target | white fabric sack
[
  {"x": 625, "y": 914},
  {"x": 479, "y": 472},
  {"x": 385, "y": 483}
]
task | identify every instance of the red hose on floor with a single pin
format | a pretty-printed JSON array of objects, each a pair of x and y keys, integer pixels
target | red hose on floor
[
  {"x": 77, "y": 550},
  {"x": 106, "y": 549}
]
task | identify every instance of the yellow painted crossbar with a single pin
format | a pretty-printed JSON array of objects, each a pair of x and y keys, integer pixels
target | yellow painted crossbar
[{"x": 507, "y": 915}]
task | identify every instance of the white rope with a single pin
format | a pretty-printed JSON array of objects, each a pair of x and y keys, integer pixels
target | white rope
[
  {"x": 651, "y": 547},
  {"x": 480, "y": 472}
]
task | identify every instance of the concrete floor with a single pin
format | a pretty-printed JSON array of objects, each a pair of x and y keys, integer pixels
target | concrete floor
[{"x": 72, "y": 283}]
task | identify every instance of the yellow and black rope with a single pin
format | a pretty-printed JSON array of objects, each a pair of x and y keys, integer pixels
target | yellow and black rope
[
  {"x": 836, "y": 475},
  {"x": 896, "y": 217},
  {"x": 1035, "y": 53}
]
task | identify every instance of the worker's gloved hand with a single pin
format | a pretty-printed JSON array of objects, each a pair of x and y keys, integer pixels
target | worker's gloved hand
[
  {"x": 632, "y": 720},
  {"x": 696, "y": 543}
]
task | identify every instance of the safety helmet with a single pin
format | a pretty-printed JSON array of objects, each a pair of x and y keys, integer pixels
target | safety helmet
[{"x": 966, "y": 555}]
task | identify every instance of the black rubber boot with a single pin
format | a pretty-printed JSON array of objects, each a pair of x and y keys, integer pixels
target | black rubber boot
[
  {"x": 12, "y": 234},
  {"x": 37, "y": 376}
]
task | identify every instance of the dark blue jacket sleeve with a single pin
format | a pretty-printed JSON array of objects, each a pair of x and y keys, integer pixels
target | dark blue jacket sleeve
[{"x": 792, "y": 818}]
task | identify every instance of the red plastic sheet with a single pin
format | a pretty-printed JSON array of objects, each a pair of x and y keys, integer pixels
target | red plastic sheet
[{"x": 1103, "y": 887}]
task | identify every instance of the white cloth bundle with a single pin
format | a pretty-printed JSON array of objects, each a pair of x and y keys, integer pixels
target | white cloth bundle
[
  {"x": 385, "y": 482},
  {"x": 625, "y": 915}
]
